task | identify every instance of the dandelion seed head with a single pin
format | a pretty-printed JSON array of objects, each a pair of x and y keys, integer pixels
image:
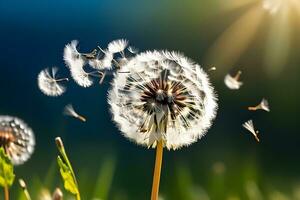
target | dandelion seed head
[
  {"x": 233, "y": 83},
  {"x": 165, "y": 96},
  {"x": 16, "y": 138},
  {"x": 117, "y": 46},
  {"x": 49, "y": 84}
]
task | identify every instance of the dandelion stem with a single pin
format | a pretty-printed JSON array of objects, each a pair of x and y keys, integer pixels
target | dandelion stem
[
  {"x": 157, "y": 170},
  {"x": 6, "y": 193},
  {"x": 252, "y": 108}
]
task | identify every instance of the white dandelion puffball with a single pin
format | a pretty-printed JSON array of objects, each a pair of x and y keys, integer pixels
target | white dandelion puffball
[
  {"x": 16, "y": 138},
  {"x": 117, "y": 45},
  {"x": 49, "y": 84},
  {"x": 164, "y": 96}
]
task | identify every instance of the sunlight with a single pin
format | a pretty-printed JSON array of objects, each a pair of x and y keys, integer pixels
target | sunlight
[{"x": 281, "y": 16}]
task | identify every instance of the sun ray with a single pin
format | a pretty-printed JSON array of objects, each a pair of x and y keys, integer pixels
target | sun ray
[{"x": 235, "y": 40}]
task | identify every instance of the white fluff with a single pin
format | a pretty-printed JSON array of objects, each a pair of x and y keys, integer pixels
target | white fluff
[
  {"x": 250, "y": 127},
  {"x": 75, "y": 61},
  {"x": 233, "y": 83},
  {"x": 22, "y": 147},
  {"x": 49, "y": 84},
  {"x": 117, "y": 46},
  {"x": 126, "y": 105}
]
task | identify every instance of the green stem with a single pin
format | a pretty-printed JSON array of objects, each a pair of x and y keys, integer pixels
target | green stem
[{"x": 61, "y": 148}]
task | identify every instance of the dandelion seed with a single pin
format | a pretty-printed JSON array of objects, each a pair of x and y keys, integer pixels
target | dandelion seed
[
  {"x": 264, "y": 105},
  {"x": 75, "y": 61},
  {"x": 49, "y": 84},
  {"x": 250, "y": 127},
  {"x": 107, "y": 60},
  {"x": 81, "y": 77},
  {"x": 72, "y": 57},
  {"x": 69, "y": 111},
  {"x": 132, "y": 50},
  {"x": 233, "y": 83},
  {"x": 16, "y": 138},
  {"x": 91, "y": 55},
  {"x": 117, "y": 46},
  {"x": 212, "y": 69}
]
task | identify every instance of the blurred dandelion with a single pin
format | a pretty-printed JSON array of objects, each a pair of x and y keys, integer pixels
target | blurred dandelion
[
  {"x": 250, "y": 127},
  {"x": 16, "y": 138},
  {"x": 283, "y": 17},
  {"x": 57, "y": 194},
  {"x": 232, "y": 82},
  {"x": 165, "y": 100},
  {"x": 44, "y": 195},
  {"x": 263, "y": 105},
  {"x": 69, "y": 111},
  {"x": 49, "y": 84}
]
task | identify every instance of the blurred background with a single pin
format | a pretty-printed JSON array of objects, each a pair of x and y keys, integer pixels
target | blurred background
[{"x": 261, "y": 38}]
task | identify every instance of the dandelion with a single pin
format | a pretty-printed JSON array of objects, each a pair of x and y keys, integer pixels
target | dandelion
[
  {"x": 117, "y": 46},
  {"x": 165, "y": 100},
  {"x": 232, "y": 82},
  {"x": 263, "y": 105},
  {"x": 49, "y": 84},
  {"x": 250, "y": 127},
  {"x": 69, "y": 111},
  {"x": 16, "y": 138}
]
